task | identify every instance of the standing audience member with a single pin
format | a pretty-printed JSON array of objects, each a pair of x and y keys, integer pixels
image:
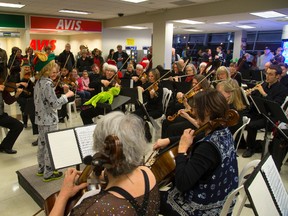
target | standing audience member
[
  {"x": 110, "y": 55},
  {"x": 46, "y": 105},
  {"x": 284, "y": 76},
  {"x": 206, "y": 171},
  {"x": 66, "y": 58},
  {"x": 3, "y": 63},
  {"x": 97, "y": 57},
  {"x": 84, "y": 62},
  {"x": 120, "y": 58},
  {"x": 266, "y": 57}
]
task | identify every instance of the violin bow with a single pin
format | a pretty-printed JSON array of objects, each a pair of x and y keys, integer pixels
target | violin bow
[
  {"x": 66, "y": 60},
  {"x": 187, "y": 93}
]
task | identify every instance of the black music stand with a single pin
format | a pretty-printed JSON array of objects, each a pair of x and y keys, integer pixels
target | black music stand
[
  {"x": 270, "y": 110},
  {"x": 118, "y": 101},
  {"x": 148, "y": 117}
]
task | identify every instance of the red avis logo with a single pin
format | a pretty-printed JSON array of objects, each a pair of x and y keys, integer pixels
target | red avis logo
[
  {"x": 40, "y": 44},
  {"x": 64, "y": 24}
]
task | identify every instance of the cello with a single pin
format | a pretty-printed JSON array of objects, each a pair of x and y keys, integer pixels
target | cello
[{"x": 163, "y": 164}]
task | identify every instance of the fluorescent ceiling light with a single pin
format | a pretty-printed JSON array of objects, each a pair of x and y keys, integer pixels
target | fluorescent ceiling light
[
  {"x": 222, "y": 23},
  {"x": 268, "y": 14},
  {"x": 134, "y": 27},
  {"x": 193, "y": 30},
  {"x": 74, "y": 12},
  {"x": 192, "y": 22},
  {"x": 135, "y": 1},
  {"x": 2, "y": 4},
  {"x": 245, "y": 26}
]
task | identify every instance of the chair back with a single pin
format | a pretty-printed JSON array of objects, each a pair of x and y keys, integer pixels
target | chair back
[
  {"x": 240, "y": 131},
  {"x": 166, "y": 98},
  {"x": 239, "y": 194}
]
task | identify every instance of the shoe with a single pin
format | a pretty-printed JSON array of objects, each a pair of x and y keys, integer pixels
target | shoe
[
  {"x": 54, "y": 176},
  {"x": 8, "y": 151},
  {"x": 248, "y": 153},
  {"x": 40, "y": 174},
  {"x": 61, "y": 120},
  {"x": 25, "y": 125},
  {"x": 35, "y": 143}
]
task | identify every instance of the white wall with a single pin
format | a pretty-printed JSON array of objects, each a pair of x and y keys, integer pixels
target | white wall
[
  {"x": 114, "y": 37},
  {"x": 91, "y": 40},
  {"x": 8, "y": 43}
]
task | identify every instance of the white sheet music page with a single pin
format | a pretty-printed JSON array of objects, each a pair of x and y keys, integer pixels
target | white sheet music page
[
  {"x": 276, "y": 184},
  {"x": 64, "y": 148},
  {"x": 85, "y": 139}
]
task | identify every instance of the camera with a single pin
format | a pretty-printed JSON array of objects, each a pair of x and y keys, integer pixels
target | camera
[{"x": 120, "y": 14}]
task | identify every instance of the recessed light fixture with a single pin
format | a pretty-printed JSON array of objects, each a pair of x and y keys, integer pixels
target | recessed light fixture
[
  {"x": 135, "y": 1},
  {"x": 193, "y": 30},
  {"x": 222, "y": 23},
  {"x": 10, "y": 5},
  {"x": 74, "y": 11},
  {"x": 191, "y": 22},
  {"x": 245, "y": 27},
  {"x": 134, "y": 27},
  {"x": 268, "y": 14}
]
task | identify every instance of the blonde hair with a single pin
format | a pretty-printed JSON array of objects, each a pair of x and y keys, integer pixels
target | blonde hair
[
  {"x": 235, "y": 99},
  {"x": 45, "y": 71},
  {"x": 221, "y": 70}
]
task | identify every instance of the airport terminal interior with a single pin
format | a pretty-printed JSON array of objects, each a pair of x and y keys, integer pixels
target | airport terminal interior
[{"x": 138, "y": 27}]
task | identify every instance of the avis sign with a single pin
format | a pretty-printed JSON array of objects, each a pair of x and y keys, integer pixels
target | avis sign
[
  {"x": 40, "y": 44},
  {"x": 51, "y": 23}
]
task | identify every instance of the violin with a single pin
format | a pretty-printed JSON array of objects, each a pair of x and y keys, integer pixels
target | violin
[
  {"x": 162, "y": 165},
  {"x": 115, "y": 79},
  {"x": 12, "y": 87},
  {"x": 189, "y": 95},
  {"x": 172, "y": 118}
]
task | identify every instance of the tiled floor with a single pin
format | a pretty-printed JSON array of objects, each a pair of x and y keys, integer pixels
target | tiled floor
[{"x": 15, "y": 201}]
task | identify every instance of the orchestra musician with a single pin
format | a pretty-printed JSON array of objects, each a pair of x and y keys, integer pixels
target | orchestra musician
[
  {"x": 106, "y": 82},
  {"x": 140, "y": 76},
  {"x": 183, "y": 119},
  {"x": 15, "y": 126},
  {"x": 272, "y": 90},
  {"x": 66, "y": 78},
  {"x": 26, "y": 100},
  {"x": 194, "y": 191},
  {"x": 125, "y": 173},
  {"x": 46, "y": 105},
  {"x": 232, "y": 93}
]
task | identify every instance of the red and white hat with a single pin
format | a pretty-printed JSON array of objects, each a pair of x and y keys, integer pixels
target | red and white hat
[
  {"x": 146, "y": 60},
  {"x": 141, "y": 65},
  {"x": 111, "y": 66}
]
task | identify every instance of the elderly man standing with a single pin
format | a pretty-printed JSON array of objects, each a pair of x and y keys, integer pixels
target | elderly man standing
[
  {"x": 66, "y": 58},
  {"x": 266, "y": 57}
]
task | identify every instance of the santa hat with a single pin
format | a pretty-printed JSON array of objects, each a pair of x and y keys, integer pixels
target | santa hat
[
  {"x": 41, "y": 60},
  {"x": 111, "y": 66},
  {"x": 141, "y": 65},
  {"x": 146, "y": 60},
  {"x": 25, "y": 62}
]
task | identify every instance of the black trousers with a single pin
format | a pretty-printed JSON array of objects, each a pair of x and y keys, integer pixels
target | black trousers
[
  {"x": 87, "y": 115},
  {"x": 15, "y": 128},
  {"x": 257, "y": 122}
]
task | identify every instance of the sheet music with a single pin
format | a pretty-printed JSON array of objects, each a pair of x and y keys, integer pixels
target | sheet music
[
  {"x": 85, "y": 139},
  {"x": 64, "y": 148},
  {"x": 274, "y": 180},
  {"x": 261, "y": 197}
]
